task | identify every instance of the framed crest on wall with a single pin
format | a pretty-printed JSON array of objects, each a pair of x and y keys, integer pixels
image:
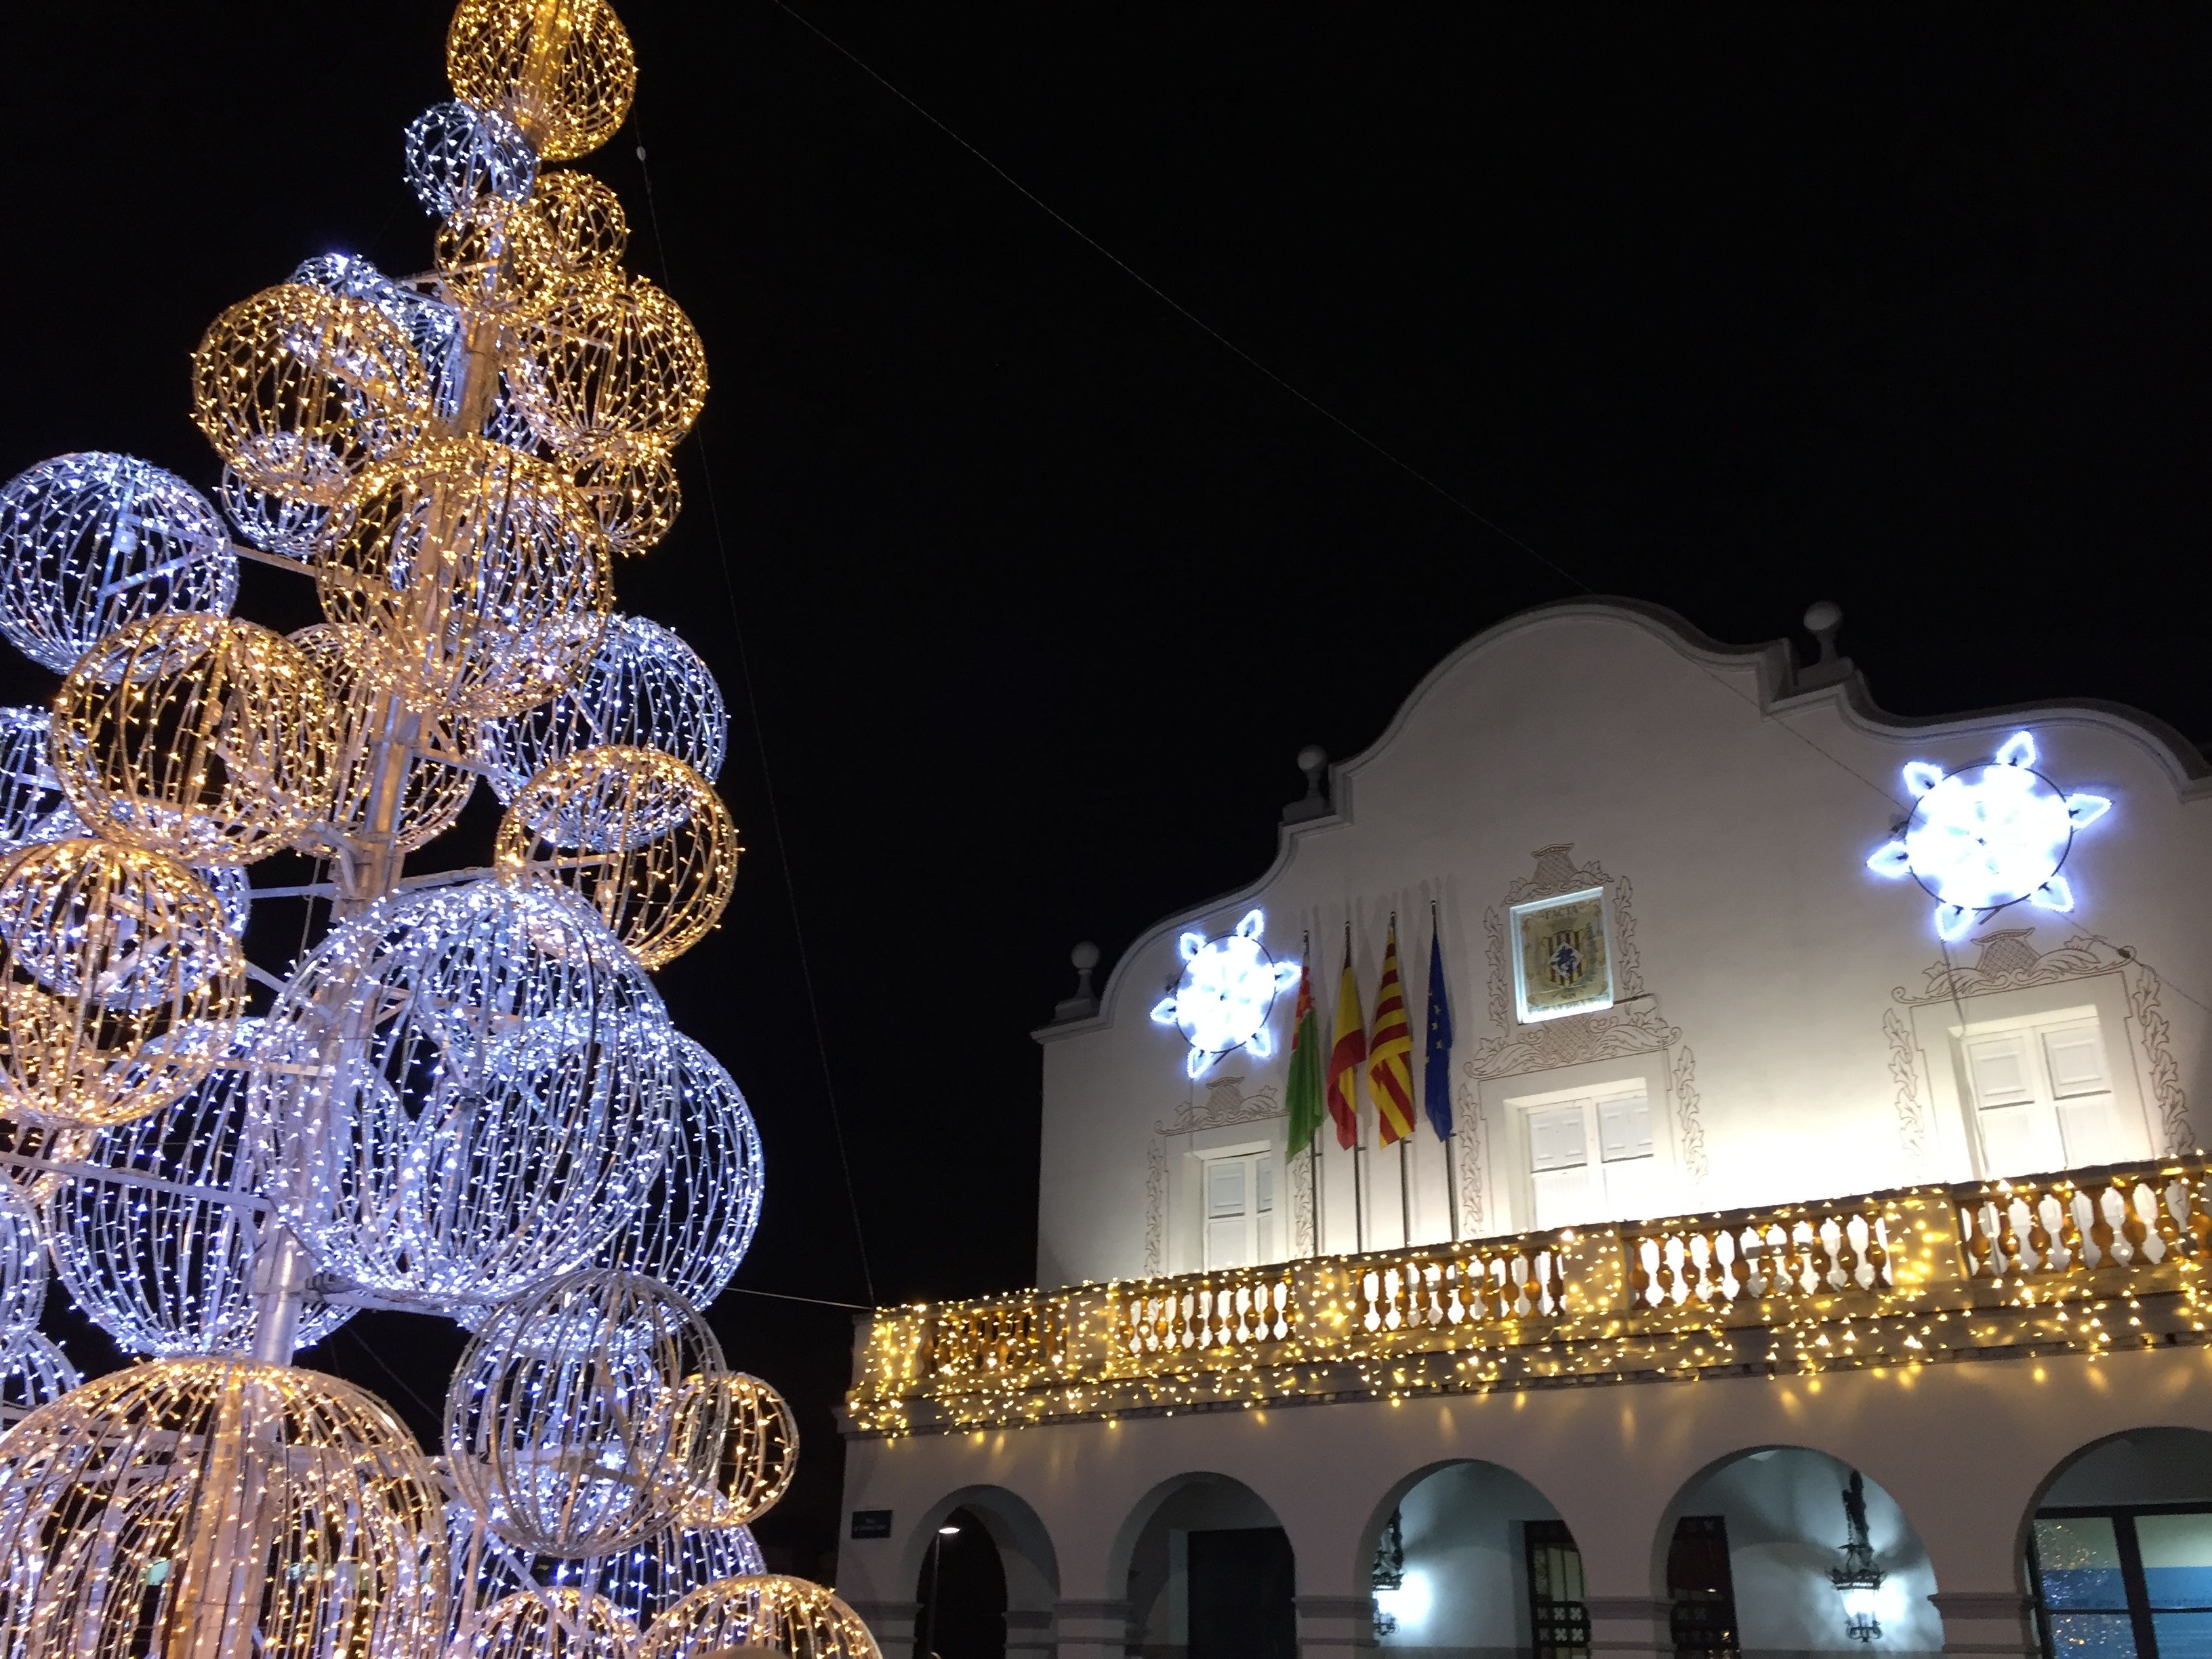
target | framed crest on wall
[{"x": 1562, "y": 956}]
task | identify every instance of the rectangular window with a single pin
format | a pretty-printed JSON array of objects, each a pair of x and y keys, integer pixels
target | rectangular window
[
  {"x": 1559, "y": 1610},
  {"x": 1701, "y": 1590},
  {"x": 1239, "y": 1188},
  {"x": 2124, "y": 1582},
  {"x": 1593, "y": 1160},
  {"x": 2042, "y": 1098}
]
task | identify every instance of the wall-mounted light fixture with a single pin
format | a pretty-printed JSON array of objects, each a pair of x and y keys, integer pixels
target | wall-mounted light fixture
[
  {"x": 1388, "y": 1576},
  {"x": 1860, "y": 1577}
]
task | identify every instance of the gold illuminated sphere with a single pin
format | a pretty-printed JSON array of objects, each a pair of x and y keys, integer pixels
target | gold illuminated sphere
[
  {"x": 196, "y": 736},
  {"x": 479, "y": 575},
  {"x": 760, "y": 1447},
  {"x": 497, "y": 252},
  {"x": 435, "y": 791},
  {"x": 635, "y": 832},
  {"x": 298, "y": 389},
  {"x": 584, "y": 221},
  {"x": 190, "y": 1506},
  {"x": 120, "y": 983},
  {"x": 563, "y": 71},
  {"x": 637, "y": 497},
  {"x": 609, "y": 369},
  {"x": 554, "y": 1622},
  {"x": 789, "y": 1615}
]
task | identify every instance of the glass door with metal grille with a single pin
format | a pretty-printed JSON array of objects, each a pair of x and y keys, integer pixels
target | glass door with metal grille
[
  {"x": 1558, "y": 1613},
  {"x": 1701, "y": 1590},
  {"x": 2124, "y": 1582}
]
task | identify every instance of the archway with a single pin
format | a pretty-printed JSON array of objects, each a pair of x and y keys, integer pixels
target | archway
[
  {"x": 1749, "y": 1553},
  {"x": 985, "y": 1576},
  {"x": 1469, "y": 1555},
  {"x": 1209, "y": 1571},
  {"x": 2117, "y": 1551}
]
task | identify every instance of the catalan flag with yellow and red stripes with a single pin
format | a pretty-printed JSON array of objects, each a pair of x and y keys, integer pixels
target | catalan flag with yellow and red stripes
[{"x": 1390, "y": 1052}]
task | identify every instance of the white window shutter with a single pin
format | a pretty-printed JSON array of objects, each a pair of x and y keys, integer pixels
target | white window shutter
[
  {"x": 1624, "y": 1129},
  {"x": 2088, "y": 1120},
  {"x": 2003, "y": 1075},
  {"x": 1556, "y": 1137}
]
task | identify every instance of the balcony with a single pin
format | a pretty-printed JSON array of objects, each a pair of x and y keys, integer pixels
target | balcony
[{"x": 2086, "y": 1262}]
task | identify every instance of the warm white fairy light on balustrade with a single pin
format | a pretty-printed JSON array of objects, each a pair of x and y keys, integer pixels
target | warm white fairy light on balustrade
[
  {"x": 199, "y": 737},
  {"x": 788, "y": 1615},
  {"x": 480, "y": 1092},
  {"x": 643, "y": 686},
  {"x": 119, "y": 981},
  {"x": 135, "y": 1483},
  {"x": 457, "y": 153},
  {"x": 563, "y": 71},
  {"x": 697, "y": 1221},
  {"x": 156, "y": 1229},
  {"x": 435, "y": 791},
  {"x": 298, "y": 389},
  {"x": 89, "y": 542},
  {"x": 638, "y": 834},
  {"x": 760, "y": 1447},
  {"x": 32, "y": 806},
  {"x": 479, "y": 573},
  {"x": 609, "y": 369},
  {"x": 569, "y": 1427}
]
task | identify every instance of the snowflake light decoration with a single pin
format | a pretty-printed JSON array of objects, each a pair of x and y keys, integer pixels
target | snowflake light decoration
[
  {"x": 1987, "y": 837},
  {"x": 1228, "y": 986}
]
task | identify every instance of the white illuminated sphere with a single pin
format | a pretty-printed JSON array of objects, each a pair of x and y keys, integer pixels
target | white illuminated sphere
[
  {"x": 505, "y": 1110},
  {"x": 457, "y": 153},
  {"x": 282, "y": 528},
  {"x": 32, "y": 804},
  {"x": 162, "y": 1270},
  {"x": 91, "y": 541},
  {"x": 644, "y": 1580},
  {"x": 23, "y": 1270},
  {"x": 36, "y": 1373},
  {"x": 1228, "y": 987},
  {"x": 643, "y": 688}
]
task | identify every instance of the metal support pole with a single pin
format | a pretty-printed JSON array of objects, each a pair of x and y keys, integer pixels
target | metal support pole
[{"x": 1405, "y": 1192}]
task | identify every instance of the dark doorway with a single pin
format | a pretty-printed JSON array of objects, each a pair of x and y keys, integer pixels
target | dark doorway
[
  {"x": 962, "y": 1592},
  {"x": 1701, "y": 1590},
  {"x": 1241, "y": 1580},
  {"x": 1558, "y": 1613}
]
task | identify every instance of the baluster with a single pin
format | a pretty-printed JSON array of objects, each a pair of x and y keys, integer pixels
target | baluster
[
  {"x": 2036, "y": 1234},
  {"x": 1699, "y": 1264},
  {"x": 2010, "y": 1245},
  {"x": 2164, "y": 1221},
  {"x": 2134, "y": 1226},
  {"x": 2199, "y": 1222},
  {"x": 2100, "y": 1226},
  {"x": 1752, "y": 1269},
  {"x": 1369, "y": 1317},
  {"x": 1974, "y": 1237},
  {"x": 1877, "y": 1254}
]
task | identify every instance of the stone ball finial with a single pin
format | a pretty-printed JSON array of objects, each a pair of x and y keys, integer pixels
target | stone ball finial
[
  {"x": 1312, "y": 759},
  {"x": 1822, "y": 618},
  {"x": 1084, "y": 957}
]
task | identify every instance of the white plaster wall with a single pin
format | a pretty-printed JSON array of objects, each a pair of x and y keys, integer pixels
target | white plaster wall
[
  {"x": 1158, "y": 1579},
  {"x": 1464, "y": 1543},
  {"x": 2158, "y": 1466},
  {"x": 1740, "y": 818}
]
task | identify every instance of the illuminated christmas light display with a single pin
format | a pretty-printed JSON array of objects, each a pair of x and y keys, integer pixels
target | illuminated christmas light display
[
  {"x": 787, "y": 1615},
  {"x": 466, "y": 1099},
  {"x": 1988, "y": 837},
  {"x": 1228, "y": 987}
]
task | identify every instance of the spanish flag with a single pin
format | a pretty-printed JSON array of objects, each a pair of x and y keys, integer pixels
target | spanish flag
[
  {"x": 1344, "y": 1059},
  {"x": 1390, "y": 1056}
]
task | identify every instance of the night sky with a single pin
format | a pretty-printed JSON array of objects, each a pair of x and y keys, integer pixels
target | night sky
[{"x": 1042, "y": 588}]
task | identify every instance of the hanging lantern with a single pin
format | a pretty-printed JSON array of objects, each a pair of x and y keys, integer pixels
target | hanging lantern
[
  {"x": 435, "y": 791},
  {"x": 788, "y": 1615},
  {"x": 561, "y": 70},
  {"x": 91, "y": 542},
  {"x": 298, "y": 389},
  {"x": 198, "y": 737},
  {"x": 480, "y": 576},
  {"x": 637, "y": 834},
  {"x": 760, "y": 1447},
  {"x": 129, "y": 1501},
  {"x": 568, "y": 1428},
  {"x": 609, "y": 369},
  {"x": 119, "y": 981}
]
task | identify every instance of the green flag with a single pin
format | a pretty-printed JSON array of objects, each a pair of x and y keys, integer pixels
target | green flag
[{"x": 1305, "y": 1070}]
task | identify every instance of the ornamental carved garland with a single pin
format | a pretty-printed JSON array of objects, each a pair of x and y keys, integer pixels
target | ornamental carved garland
[
  {"x": 1226, "y": 1105},
  {"x": 2006, "y": 961}
]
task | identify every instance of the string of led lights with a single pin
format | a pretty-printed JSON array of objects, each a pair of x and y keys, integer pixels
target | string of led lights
[{"x": 466, "y": 1098}]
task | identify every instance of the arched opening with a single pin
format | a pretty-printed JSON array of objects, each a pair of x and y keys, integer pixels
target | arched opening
[
  {"x": 986, "y": 1579},
  {"x": 1784, "y": 1549},
  {"x": 1210, "y": 1573},
  {"x": 1469, "y": 1556},
  {"x": 2118, "y": 1553}
]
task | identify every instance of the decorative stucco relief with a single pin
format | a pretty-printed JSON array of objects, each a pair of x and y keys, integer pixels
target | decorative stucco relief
[{"x": 1690, "y": 1128}]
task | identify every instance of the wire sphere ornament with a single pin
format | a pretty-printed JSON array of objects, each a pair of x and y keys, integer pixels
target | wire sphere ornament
[
  {"x": 611, "y": 369},
  {"x": 433, "y": 325},
  {"x": 37, "y": 1373},
  {"x": 119, "y": 981},
  {"x": 644, "y": 1580},
  {"x": 1985, "y": 838},
  {"x": 298, "y": 389},
  {"x": 698, "y": 1222},
  {"x": 568, "y": 1426},
  {"x": 563, "y": 71},
  {"x": 282, "y": 528},
  {"x": 639, "y": 834},
  {"x": 32, "y": 804},
  {"x": 474, "y": 1093},
  {"x": 636, "y": 498},
  {"x": 584, "y": 219},
  {"x": 232, "y": 892},
  {"x": 548, "y": 1624},
  {"x": 496, "y": 254},
  {"x": 457, "y": 153},
  {"x": 218, "y": 1506},
  {"x": 156, "y": 1231},
  {"x": 760, "y": 1447},
  {"x": 203, "y": 737},
  {"x": 435, "y": 791},
  {"x": 23, "y": 1270},
  {"x": 479, "y": 575},
  {"x": 789, "y": 1615},
  {"x": 643, "y": 687},
  {"x": 89, "y": 542}
]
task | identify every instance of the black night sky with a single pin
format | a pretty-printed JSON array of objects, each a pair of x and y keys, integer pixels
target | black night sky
[{"x": 1041, "y": 588}]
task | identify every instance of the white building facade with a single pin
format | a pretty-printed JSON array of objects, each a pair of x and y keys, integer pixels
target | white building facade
[{"x": 1763, "y": 1173}]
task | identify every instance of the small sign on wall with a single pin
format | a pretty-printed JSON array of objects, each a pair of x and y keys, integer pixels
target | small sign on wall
[
  {"x": 1562, "y": 956},
  {"x": 872, "y": 1524}
]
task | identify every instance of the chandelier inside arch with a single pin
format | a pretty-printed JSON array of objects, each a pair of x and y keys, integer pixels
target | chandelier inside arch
[{"x": 465, "y": 1098}]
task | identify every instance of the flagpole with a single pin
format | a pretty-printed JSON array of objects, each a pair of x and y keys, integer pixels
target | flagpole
[
  {"x": 1451, "y": 1141},
  {"x": 1313, "y": 1188},
  {"x": 1405, "y": 1192},
  {"x": 1358, "y": 1132}
]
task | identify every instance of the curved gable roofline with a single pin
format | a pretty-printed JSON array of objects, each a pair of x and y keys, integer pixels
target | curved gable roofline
[{"x": 1774, "y": 668}]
